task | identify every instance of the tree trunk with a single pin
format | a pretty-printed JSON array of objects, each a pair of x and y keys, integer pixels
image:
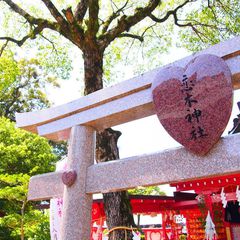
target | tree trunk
[
  {"x": 93, "y": 71},
  {"x": 116, "y": 205},
  {"x": 22, "y": 219}
]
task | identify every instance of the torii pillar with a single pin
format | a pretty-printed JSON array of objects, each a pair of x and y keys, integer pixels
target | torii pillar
[{"x": 77, "y": 205}]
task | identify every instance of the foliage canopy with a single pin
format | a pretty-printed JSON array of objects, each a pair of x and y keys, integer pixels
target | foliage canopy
[{"x": 22, "y": 155}]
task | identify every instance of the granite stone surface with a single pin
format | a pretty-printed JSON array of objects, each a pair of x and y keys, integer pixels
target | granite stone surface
[
  {"x": 194, "y": 104},
  {"x": 77, "y": 205},
  {"x": 169, "y": 166},
  {"x": 45, "y": 186}
]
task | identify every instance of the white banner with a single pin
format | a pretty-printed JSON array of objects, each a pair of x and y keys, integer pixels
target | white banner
[{"x": 56, "y": 208}]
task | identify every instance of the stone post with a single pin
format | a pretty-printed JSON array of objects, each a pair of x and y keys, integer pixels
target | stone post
[{"x": 77, "y": 205}]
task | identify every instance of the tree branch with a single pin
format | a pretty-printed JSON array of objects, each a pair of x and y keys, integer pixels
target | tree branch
[
  {"x": 169, "y": 13},
  {"x": 190, "y": 24},
  {"x": 15, "y": 96},
  {"x": 113, "y": 16},
  {"x": 19, "y": 10},
  {"x": 3, "y": 47},
  {"x": 126, "y": 22},
  {"x": 177, "y": 21},
  {"x": 93, "y": 24},
  {"x": 18, "y": 42},
  {"x": 54, "y": 12},
  {"x": 32, "y": 34},
  {"x": 81, "y": 10},
  {"x": 72, "y": 32},
  {"x": 74, "y": 27},
  {"x": 149, "y": 27},
  {"x": 129, "y": 35},
  {"x": 51, "y": 42},
  {"x": 69, "y": 15},
  {"x": 30, "y": 19}
]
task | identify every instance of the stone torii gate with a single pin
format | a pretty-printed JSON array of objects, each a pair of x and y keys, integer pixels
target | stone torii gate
[{"x": 126, "y": 101}]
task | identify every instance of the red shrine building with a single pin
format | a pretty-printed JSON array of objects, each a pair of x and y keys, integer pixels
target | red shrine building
[{"x": 183, "y": 216}]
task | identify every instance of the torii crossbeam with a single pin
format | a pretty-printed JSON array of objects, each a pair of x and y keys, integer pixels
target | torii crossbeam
[{"x": 126, "y": 101}]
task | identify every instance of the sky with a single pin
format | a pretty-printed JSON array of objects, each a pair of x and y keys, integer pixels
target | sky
[{"x": 142, "y": 136}]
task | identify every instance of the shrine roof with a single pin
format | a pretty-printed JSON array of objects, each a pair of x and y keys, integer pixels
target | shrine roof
[{"x": 211, "y": 184}]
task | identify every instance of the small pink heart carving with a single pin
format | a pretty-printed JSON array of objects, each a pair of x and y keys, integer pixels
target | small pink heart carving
[
  {"x": 194, "y": 103},
  {"x": 155, "y": 236},
  {"x": 69, "y": 177}
]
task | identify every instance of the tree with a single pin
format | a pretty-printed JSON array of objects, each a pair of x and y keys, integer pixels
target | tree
[
  {"x": 22, "y": 85},
  {"x": 22, "y": 155},
  {"x": 214, "y": 21},
  {"x": 88, "y": 25},
  {"x": 153, "y": 190},
  {"x": 20, "y": 219}
]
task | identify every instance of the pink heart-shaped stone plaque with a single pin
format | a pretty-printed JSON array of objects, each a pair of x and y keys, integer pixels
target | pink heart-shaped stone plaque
[
  {"x": 69, "y": 177},
  {"x": 155, "y": 236},
  {"x": 194, "y": 104}
]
